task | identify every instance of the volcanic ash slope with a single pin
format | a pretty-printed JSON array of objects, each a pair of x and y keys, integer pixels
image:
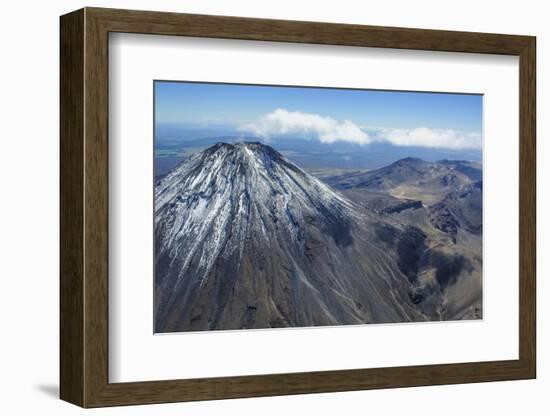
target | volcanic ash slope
[{"x": 246, "y": 239}]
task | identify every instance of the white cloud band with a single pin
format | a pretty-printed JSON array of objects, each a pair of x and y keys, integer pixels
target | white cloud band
[
  {"x": 326, "y": 129},
  {"x": 426, "y": 137},
  {"x": 282, "y": 122}
]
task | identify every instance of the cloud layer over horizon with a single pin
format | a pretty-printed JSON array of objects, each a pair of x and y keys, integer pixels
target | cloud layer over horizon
[
  {"x": 281, "y": 122},
  {"x": 326, "y": 129}
]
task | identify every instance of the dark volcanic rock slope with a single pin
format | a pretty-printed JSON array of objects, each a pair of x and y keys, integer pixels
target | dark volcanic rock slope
[
  {"x": 246, "y": 239},
  {"x": 430, "y": 221},
  {"x": 412, "y": 178}
]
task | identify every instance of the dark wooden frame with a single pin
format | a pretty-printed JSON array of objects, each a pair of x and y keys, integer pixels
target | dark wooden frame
[{"x": 84, "y": 208}]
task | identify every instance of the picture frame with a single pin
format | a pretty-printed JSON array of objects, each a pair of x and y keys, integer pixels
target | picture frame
[{"x": 84, "y": 243}]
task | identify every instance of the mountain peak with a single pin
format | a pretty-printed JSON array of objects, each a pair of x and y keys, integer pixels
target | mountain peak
[
  {"x": 247, "y": 180},
  {"x": 242, "y": 148},
  {"x": 453, "y": 162},
  {"x": 238, "y": 145},
  {"x": 253, "y": 145},
  {"x": 246, "y": 238},
  {"x": 258, "y": 147},
  {"x": 410, "y": 161},
  {"x": 233, "y": 205}
]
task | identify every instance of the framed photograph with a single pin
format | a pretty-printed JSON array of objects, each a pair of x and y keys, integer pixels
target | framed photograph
[{"x": 257, "y": 207}]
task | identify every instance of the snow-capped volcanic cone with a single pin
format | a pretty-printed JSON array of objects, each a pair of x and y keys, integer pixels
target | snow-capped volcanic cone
[{"x": 246, "y": 239}]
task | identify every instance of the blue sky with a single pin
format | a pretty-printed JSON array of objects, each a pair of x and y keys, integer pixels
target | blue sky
[{"x": 403, "y": 118}]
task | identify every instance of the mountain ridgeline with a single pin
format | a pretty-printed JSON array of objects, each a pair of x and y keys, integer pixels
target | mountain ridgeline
[{"x": 244, "y": 238}]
